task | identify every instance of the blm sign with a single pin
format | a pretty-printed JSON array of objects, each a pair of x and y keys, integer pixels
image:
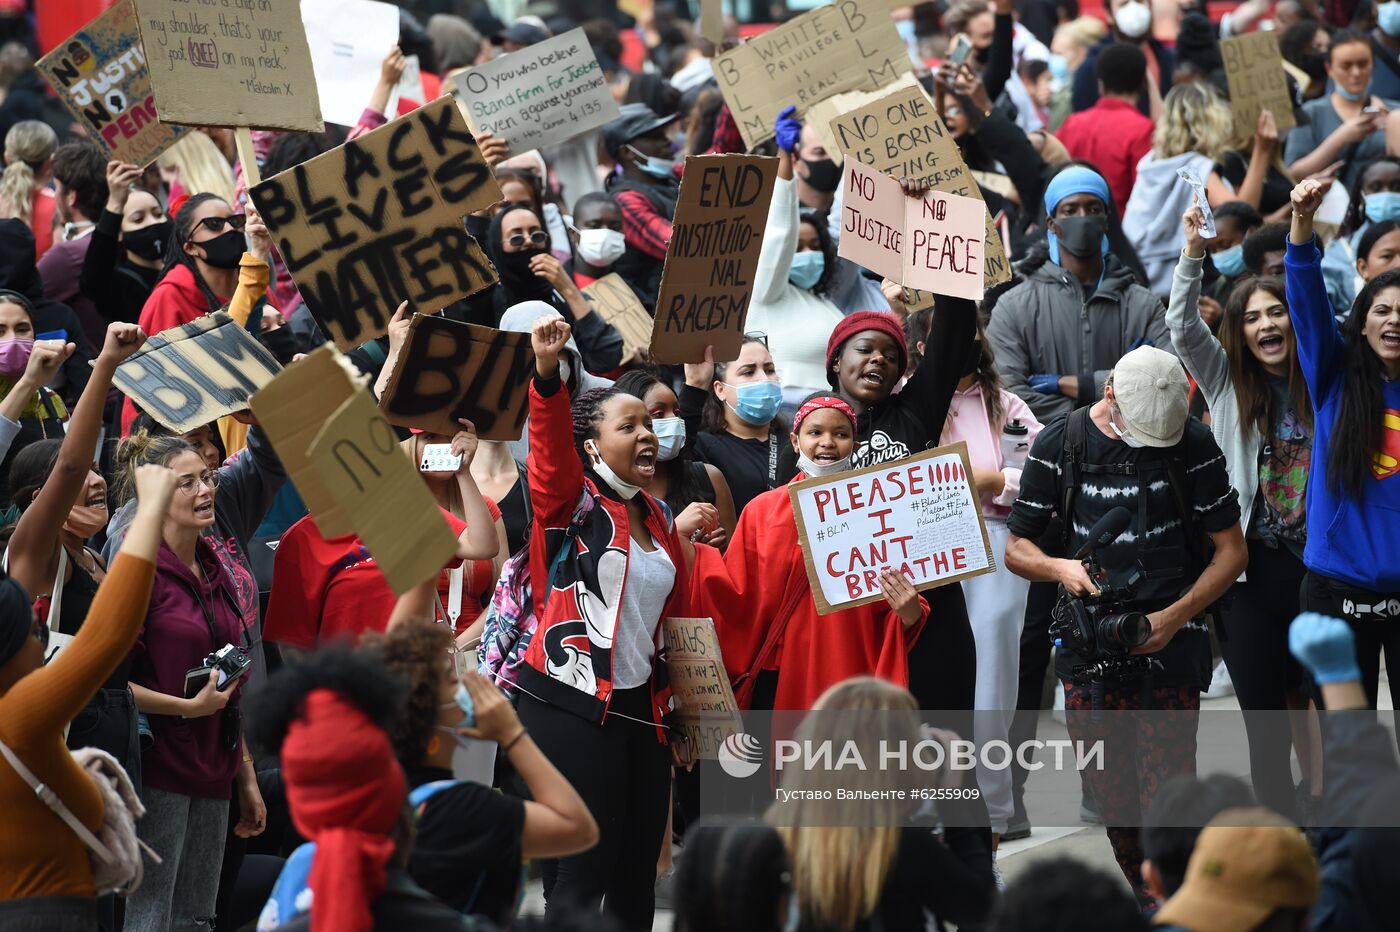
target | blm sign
[{"x": 379, "y": 220}]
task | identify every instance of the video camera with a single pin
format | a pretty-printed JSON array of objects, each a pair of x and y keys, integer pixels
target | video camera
[{"x": 1100, "y": 627}]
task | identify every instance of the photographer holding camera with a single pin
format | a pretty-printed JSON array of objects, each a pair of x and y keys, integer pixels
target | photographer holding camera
[{"x": 1139, "y": 486}]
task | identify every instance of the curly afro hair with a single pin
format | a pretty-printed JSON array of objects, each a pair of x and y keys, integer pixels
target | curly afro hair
[
  {"x": 413, "y": 651},
  {"x": 360, "y": 677}
]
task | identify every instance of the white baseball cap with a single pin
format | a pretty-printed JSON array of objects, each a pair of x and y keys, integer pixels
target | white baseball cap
[{"x": 1150, "y": 389}]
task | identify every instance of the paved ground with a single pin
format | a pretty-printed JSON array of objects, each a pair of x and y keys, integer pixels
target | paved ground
[{"x": 1084, "y": 843}]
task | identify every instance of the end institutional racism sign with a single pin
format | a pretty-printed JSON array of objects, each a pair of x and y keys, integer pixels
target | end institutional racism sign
[
  {"x": 716, "y": 237},
  {"x": 100, "y": 74},
  {"x": 919, "y": 516},
  {"x": 379, "y": 220}
]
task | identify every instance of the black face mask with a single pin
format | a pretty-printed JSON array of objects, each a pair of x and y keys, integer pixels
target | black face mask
[
  {"x": 823, "y": 175},
  {"x": 982, "y": 55},
  {"x": 1315, "y": 64},
  {"x": 518, "y": 263},
  {"x": 1082, "y": 236},
  {"x": 224, "y": 251},
  {"x": 149, "y": 242}
]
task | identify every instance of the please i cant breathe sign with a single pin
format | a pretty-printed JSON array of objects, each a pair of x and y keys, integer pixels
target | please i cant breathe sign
[{"x": 919, "y": 516}]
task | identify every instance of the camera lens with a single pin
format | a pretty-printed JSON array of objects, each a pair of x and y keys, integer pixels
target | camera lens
[{"x": 1125, "y": 631}]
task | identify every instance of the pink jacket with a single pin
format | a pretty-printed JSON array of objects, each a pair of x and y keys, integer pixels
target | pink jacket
[{"x": 967, "y": 420}]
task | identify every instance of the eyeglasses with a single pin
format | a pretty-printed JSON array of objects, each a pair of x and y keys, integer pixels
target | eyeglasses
[
  {"x": 756, "y": 336},
  {"x": 190, "y": 484},
  {"x": 953, "y": 111},
  {"x": 216, "y": 224},
  {"x": 518, "y": 241},
  {"x": 40, "y": 631}
]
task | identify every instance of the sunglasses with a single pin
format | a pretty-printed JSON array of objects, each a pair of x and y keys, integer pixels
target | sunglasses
[
  {"x": 518, "y": 241},
  {"x": 757, "y": 336},
  {"x": 216, "y": 225},
  {"x": 40, "y": 631}
]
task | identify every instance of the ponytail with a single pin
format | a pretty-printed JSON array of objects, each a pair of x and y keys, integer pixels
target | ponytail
[{"x": 28, "y": 145}]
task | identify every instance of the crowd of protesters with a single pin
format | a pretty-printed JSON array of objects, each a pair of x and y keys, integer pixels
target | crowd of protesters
[{"x": 1235, "y": 393}]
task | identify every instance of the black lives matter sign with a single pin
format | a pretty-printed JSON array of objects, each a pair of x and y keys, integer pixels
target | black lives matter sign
[
  {"x": 716, "y": 237},
  {"x": 379, "y": 220}
]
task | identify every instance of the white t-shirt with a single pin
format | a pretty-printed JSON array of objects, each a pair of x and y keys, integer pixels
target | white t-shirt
[{"x": 650, "y": 578}]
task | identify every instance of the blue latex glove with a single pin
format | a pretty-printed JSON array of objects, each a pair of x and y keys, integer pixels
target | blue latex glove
[
  {"x": 788, "y": 129},
  {"x": 1044, "y": 384},
  {"x": 1140, "y": 341},
  {"x": 1325, "y": 646}
]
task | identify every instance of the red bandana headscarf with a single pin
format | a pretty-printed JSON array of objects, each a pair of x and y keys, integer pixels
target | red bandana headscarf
[{"x": 346, "y": 791}]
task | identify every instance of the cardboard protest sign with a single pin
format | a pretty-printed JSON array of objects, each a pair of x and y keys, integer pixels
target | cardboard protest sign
[
  {"x": 379, "y": 220},
  {"x": 292, "y": 409},
  {"x": 348, "y": 40},
  {"x": 614, "y": 300},
  {"x": 918, "y": 515},
  {"x": 243, "y": 64},
  {"x": 448, "y": 370},
  {"x": 716, "y": 235},
  {"x": 933, "y": 242},
  {"x": 1254, "y": 70},
  {"x": 705, "y": 703},
  {"x": 100, "y": 74},
  {"x": 537, "y": 96},
  {"x": 712, "y": 20},
  {"x": 842, "y": 46},
  {"x": 194, "y": 373},
  {"x": 821, "y": 114},
  {"x": 357, "y": 457},
  {"x": 901, "y": 134}
]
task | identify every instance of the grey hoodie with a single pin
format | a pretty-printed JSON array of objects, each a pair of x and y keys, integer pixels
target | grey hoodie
[
  {"x": 1044, "y": 326},
  {"x": 248, "y": 482}
]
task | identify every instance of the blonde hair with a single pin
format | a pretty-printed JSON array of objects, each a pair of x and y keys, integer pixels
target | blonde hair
[
  {"x": 202, "y": 167},
  {"x": 140, "y": 449},
  {"x": 28, "y": 145},
  {"x": 1195, "y": 118},
  {"x": 842, "y": 851},
  {"x": 1086, "y": 31}
]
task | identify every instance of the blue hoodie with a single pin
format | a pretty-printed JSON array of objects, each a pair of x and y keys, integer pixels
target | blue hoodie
[{"x": 1352, "y": 540}]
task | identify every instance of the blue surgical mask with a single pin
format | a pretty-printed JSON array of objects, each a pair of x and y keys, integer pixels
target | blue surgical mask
[
  {"x": 1388, "y": 18},
  {"x": 1348, "y": 95},
  {"x": 1059, "y": 68},
  {"x": 757, "y": 403},
  {"x": 670, "y": 437},
  {"x": 905, "y": 28},
  {"x": 1383, "y": 205},
  {"x": 793, "y": 922},
  {"x": 665, "y": 169},
  {"x": 462, "y": 699},
  {"x": 1229, "y": 262},
  {"x": 807, "y": 268}
]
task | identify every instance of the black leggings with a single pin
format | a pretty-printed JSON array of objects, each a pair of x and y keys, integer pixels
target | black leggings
[
  {"x": 943, "y": 679},
  {"x": 1254, "y": 643},
  {"x": 624, "y": 776},
  {"x": 1373, "y": 635}
]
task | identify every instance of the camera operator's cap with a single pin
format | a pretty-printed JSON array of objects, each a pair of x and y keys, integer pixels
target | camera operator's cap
[
  {"x": 1246, "y": 864},
  {"x": 1150, "y": 388},
  {"x": 633, "y": 120}
]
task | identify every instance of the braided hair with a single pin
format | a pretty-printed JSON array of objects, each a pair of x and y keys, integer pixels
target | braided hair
[
  {"x": 587, "y": 411},
  {"x": 175, "y": 250}
]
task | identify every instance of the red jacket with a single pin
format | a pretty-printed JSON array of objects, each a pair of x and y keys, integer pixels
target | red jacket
[
  {"x": 746, "y": 590},
  {"x": 1112, "y": 136},
  {"x": 569, "y": 661}
]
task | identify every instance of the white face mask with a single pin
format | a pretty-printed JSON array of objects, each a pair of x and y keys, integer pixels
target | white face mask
[
  {"x": 1123, "y": 433},
  {"x": 625, "y": 490},
  {"x": 1133, "y": 20},
  {"x": 601, "y": 248},
  {"x": 565, "y": 370},
  {"x": 816, "y": 470},
  {"x": 670, "y": 437}
]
